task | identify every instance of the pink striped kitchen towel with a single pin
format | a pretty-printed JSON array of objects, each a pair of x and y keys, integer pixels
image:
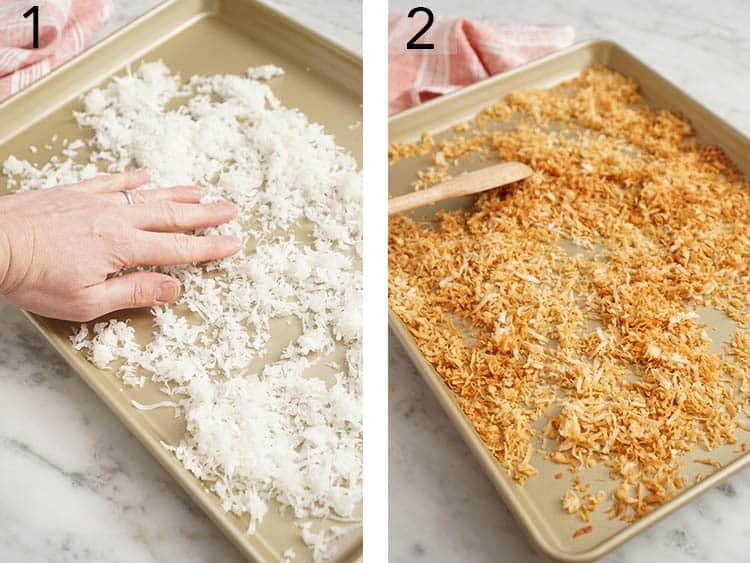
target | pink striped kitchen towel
[
  {"x": 65, "y": 28},
  {"x": 465, "y": 51}
]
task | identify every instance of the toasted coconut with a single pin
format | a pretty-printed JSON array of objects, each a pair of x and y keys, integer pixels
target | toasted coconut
[
  {"x": 499, "y": 304},
  {"x": 570, "y": 502},
  {"x": 711, "y": 462}
]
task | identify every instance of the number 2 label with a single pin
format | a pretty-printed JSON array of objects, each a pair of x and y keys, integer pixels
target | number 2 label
[{"x": 412, "y": 43}]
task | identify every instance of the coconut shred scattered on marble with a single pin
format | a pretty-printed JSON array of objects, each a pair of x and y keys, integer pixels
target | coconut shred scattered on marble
[{"x": 288, "y": 430}]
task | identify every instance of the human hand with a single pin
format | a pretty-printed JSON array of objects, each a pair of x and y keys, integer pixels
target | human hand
[{"x": 59, "y": 246}]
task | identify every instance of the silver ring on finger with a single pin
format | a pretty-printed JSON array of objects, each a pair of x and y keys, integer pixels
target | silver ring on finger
[
  {"x": 128, "y": 197},
  {"x": 133, "y": 196}
]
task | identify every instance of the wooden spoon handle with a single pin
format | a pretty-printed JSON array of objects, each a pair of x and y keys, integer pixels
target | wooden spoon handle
[{"x": 465, "y": 184}]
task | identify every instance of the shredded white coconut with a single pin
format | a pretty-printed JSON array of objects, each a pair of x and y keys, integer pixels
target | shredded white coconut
[
  {"x": 320, "y": 541},
  {"x": 265, "y": 72},
  {"x": 288, "y": 429},
  {"x": 159, "y": 405}
]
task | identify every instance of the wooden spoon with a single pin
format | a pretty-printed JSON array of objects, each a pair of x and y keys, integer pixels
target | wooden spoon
[{"x": 465, "y": 184}]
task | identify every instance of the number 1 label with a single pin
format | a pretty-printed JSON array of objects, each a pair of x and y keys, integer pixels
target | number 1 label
[{"x": 34, "y": 11}]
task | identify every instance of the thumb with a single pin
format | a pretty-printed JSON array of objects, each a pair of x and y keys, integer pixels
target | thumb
[{"x": 133, "y": 291}]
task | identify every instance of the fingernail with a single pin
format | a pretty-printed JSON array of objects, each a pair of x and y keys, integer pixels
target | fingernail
[
  {"x": 167, "y": 291},
  {"x": 226, "y": 206},
  {"x": 237, "y": 243}
]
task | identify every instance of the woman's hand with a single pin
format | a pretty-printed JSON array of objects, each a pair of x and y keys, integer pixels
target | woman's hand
[{"x": 58, "y": 246}]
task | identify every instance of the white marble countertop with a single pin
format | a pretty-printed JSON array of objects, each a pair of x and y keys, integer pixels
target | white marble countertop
[
  {"x": 76, "y": 486},
  {"x": 442, "y": 508}
]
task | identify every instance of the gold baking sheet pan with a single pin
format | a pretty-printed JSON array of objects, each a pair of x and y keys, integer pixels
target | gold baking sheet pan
[
  {"x": 536, "y": 505},
  {"x": 322, "y": 79}
]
